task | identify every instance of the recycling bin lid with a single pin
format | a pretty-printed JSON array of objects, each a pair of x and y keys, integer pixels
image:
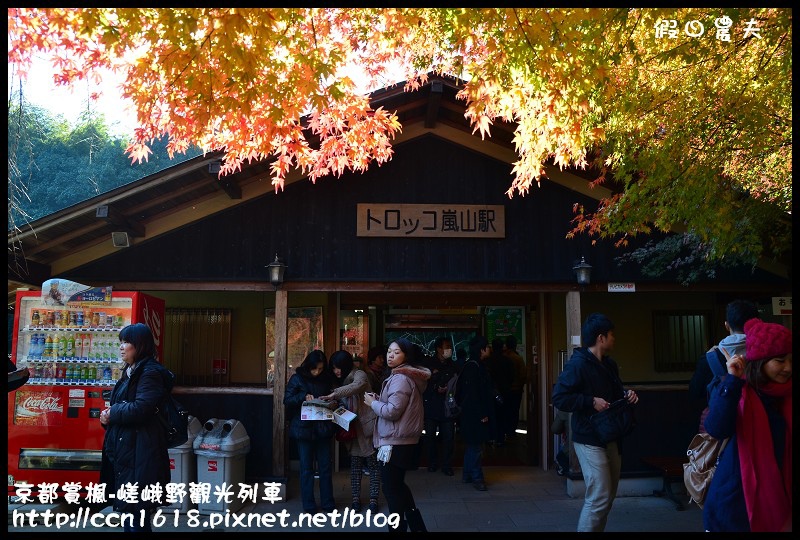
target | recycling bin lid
[{"x": 227, "y": 437}]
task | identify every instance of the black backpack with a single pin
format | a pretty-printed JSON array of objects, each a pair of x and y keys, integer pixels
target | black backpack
[
  {"x": 452, "y": 402},
  {"x": 175, "y": 419}
]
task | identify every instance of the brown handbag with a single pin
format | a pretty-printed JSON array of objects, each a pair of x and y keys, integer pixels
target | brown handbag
[{"x": 703, "y": 453}]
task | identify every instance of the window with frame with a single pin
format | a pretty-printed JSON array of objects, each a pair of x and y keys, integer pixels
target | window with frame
[
  {"x": 679, "y": 338},
  {"x": 197, "y": 345}
]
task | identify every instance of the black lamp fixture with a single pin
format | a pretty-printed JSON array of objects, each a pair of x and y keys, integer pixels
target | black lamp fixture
[
  {"x": 276, "y": 270},
  {"x": 583, "y": 271}
]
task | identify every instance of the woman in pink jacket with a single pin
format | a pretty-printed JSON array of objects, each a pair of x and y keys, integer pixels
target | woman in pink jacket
[{"x": 397, "y": 432}]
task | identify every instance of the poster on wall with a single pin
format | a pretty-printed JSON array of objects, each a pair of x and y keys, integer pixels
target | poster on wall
[
  {"x": 304, "y": 329},
  {"x": 504, "y": 321}
]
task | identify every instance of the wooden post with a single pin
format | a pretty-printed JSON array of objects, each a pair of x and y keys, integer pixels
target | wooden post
[
  {"x": 573, "y": 340},
  {"x": 280, "y": 461}
]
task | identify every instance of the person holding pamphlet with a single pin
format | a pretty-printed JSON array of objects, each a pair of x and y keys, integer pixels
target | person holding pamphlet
[
  {"x": 352, "y": 384},
  {"x": 313, "y": 437}
]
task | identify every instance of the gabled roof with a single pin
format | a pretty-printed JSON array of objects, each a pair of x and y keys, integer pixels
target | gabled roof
[{"x": 191, "y": 190}]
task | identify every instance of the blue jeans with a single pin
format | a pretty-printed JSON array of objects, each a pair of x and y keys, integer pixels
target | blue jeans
[
  {"x": 320, "y": 450},
  {"x": 472, "y": 462},
  {"x": 601, "y": 470},
  {"x": 446, "y": 434}
]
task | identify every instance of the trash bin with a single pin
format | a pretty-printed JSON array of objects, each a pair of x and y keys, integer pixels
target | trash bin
[
  {"x": 221, "y": 448},
  {"x": 183, "y": 467}
]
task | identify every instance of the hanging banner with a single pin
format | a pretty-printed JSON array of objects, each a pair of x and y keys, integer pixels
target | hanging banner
[{"x": 62, "y": 292}]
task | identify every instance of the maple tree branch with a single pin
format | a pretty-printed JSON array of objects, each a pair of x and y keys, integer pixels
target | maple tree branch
[
  {"x": 524, "y": 33},
  {"x": 314, "y": 30}
]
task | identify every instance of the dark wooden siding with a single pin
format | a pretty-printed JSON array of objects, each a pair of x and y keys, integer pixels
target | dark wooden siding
[{"x": 313, "y": 228}]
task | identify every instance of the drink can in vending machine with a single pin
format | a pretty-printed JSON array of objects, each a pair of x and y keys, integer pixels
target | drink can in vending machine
[
  {"x": 73, "y": 319},
  {"x": 57, "y": 318},
  {"x": 35, "y": 318},
  {"x": 120, "y": 321},
  {"x": 95, "y": 319},
  {"x": 65, "y": 318},
  {"x": 107, "y": 372},
  {"x": 49, "y": 319},
  {"x": 79, "y": 319},
  {"x": 109, "y": 321},
  {"x": 61, "y": 373}
]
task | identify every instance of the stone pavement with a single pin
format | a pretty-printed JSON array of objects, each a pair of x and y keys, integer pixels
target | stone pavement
[{"x": 519, "y": 499}]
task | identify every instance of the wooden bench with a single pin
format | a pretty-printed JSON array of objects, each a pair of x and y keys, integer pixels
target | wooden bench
[{"x": 671, "y": 470}]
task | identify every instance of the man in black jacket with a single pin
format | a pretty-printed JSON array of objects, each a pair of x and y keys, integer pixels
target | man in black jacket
[
  {"x": 589, "y": 384},
  {"x": 442, "y": 369}
]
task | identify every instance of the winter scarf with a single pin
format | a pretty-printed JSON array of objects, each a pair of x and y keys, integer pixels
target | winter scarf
[{"x": 767, "y": 488}]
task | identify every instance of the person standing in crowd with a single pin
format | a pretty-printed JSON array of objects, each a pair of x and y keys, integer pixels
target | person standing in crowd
[
  {"x": 461, "y": 358},
  {"x": 400, "y": 420},
  {"x": 713, "y": 362},
  {"x": 313, "y": 437},
  {"x": 135, "y": 444},
  {"x": 352, "y": 383},
  {"x": 751, "y": 490},
  {"x": 501, "y": 370},
  {"x": 517, "y": 385},
  {"x": 442, "y": 369},
  {"x": 476, "y": 397},
  {"x": 588, "y": 384},
  {"x": 376, "y": 366},
  {"x": 358, "y": 362}
]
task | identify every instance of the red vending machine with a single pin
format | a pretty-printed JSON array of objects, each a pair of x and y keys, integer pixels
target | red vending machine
[{"x": 71, "y": 350}]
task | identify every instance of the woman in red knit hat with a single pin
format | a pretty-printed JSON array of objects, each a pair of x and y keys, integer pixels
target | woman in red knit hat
[{"x": 752, "y": 486}]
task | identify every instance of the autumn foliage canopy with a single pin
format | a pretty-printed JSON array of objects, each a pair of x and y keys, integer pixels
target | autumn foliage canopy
[{"x": 690, "y": 128}]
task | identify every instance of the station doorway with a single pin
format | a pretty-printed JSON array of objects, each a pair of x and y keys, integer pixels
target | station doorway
[{"x": 374, "y": 319}]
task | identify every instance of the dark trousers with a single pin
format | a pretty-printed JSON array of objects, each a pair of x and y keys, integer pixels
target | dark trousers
[
  {"x": 399, "y": 498},
  {"x": 446, "y": 429},
  {"x": 514, "y": 403},
  {"x": 136, "y": 525},
  {"x": 320, "y": 450},
  {"x": 473, "y": 471}
]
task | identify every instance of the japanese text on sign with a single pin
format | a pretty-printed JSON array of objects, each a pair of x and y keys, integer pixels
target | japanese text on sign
[
  {"x": 426, "y": 220},
  {"x": 781, "y": 305}
]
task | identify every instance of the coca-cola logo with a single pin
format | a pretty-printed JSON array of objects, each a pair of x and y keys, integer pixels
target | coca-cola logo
[
  {"x": 44, "y": 404},
  {"x": 153, "y": 320}
]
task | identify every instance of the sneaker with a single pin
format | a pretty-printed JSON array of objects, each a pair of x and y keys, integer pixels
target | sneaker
[
  {"x": 447, "y": 471},
  {"x": 373, "y": 506},
  {"x": 480, "y": 486}
]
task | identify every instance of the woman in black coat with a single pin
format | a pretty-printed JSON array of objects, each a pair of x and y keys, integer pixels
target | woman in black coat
[
  {"x": 135, "y": 447},
  {"x": 475, "y": 394},
  {"x": 313, "y": 437}
]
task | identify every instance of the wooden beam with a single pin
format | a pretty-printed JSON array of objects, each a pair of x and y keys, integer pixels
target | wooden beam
[
  {"x": 280, "y": 457},
  {"x": 113, "y": 216},
  {"x": 231, "y": 188},
  {"x": 434, "y": 99}
]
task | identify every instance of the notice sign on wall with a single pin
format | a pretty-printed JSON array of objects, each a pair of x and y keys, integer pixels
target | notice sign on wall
[
  {"x": 426, "y": 220},
  {"x": 781, "y": 305},
  {"x": 622, "y": 287}
]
